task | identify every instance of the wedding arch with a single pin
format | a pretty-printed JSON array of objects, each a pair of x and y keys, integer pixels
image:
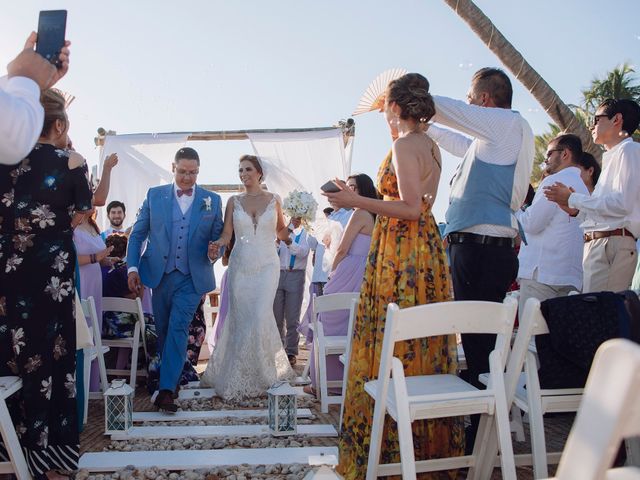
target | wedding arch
[{"x": 296, "y": 158}]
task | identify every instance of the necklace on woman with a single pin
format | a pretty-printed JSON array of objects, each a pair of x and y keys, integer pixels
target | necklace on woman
[{"x": 253, "y": 194}]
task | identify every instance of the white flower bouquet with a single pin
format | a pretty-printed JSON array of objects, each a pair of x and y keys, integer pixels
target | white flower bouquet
[{"x": 300, "y": 204}]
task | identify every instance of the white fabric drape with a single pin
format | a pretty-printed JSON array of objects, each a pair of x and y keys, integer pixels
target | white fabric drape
[
  {"x": 302, "y": 160},
  {"x": 144, "y": 161}
]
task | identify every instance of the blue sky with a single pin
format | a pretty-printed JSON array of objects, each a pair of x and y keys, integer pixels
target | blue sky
[{"x": 160, "y": 66}]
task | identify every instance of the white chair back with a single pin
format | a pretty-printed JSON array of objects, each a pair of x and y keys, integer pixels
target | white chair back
[
  {"x": 347, "y": 353},
  {"x": 330, "y": 345},
  {"x": 127, "y": 305},
  {"x": 609, "y": 412},
  {"x": 333, "y": 301},
  {"x": 89, "y": 310},
  {"x": 447, "y": 318}
]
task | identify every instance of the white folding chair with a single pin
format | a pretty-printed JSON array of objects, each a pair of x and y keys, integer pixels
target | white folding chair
[
  {"x": 97, "y": 351},
  {"x": 609, "y": 412},
  {"x": 133, "y": 306},
  {"x": 443, "y": 395},
  {"x": 345, "y": 358},
  {"x": 531, "y": 399},
  {"x": 324, "y": 345},
  {"x": 16, "y": 463}
]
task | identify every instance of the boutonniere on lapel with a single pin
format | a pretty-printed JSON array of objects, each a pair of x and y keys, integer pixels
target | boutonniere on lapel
[{"x": 206, "y": 203}]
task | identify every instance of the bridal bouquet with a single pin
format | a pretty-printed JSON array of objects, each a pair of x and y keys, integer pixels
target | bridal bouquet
[{"x": 300, "y": 204}]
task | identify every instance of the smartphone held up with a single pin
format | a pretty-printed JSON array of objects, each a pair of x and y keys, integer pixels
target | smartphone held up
[
  {"x": 52, "y": 26},
  {"x": 330, "y": 187}
]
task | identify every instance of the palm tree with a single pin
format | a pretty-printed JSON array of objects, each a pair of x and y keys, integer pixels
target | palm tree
[
  {"x": 618, "y": 83},
  {"x": 559, "y": 112}
]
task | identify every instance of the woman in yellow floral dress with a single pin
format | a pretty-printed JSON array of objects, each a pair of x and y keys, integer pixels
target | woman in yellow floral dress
[{"x": 406, "y": 265}]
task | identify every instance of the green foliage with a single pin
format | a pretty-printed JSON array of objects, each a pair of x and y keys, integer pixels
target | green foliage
[{"x": 618, "y": 83}]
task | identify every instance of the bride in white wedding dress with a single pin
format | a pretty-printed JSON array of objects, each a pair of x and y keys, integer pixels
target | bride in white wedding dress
[{"x": 249, "y": 358}]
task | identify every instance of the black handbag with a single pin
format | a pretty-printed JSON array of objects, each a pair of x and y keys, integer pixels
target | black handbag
[{"x": 578, "y": 325}]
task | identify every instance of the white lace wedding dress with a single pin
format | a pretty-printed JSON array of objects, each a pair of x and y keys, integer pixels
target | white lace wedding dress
[{"x": 249, "y": 358}]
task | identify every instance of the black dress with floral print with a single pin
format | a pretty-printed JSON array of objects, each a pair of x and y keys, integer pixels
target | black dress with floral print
[{"x": 37, "y": 324}]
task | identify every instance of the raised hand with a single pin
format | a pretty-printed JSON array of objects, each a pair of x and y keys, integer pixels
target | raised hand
[
  {"x": 30, "y": 64},
  {"x": 110, "y": 162}
]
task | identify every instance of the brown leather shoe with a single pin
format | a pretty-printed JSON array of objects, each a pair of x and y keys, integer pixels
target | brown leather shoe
[
  {"x": 176, "y": 392},
  {"x": 292, "y": 359},
  {"x": 164, "y": 401}
]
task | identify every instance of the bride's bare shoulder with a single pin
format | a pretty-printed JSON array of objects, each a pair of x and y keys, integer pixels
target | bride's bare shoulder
[{"x": 277, "y": 198}]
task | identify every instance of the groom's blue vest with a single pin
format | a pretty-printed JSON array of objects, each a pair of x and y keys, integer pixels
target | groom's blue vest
[{"x": 178, "y": 258}]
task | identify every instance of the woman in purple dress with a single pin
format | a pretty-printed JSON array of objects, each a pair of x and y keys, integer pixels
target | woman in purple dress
[
  {"x": 92, "y": 252},
  {"x": 346, "y": 273}
]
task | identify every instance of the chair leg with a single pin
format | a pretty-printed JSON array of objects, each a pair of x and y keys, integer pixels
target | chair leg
[
  {"x": 324, "y": 391},
  {"x": 86, "y": 372},
  {"x": 104, "y": 382},
  {"x": 134, "y": 356},
  {"x": 482, "y": 466},
  {"x": 536, "y": 421},
  {"x": 507, "y": 462},
  {"x": 307, "y": 367},
  {"x": 516, "y": 423},
  {"x": 12, "y": 444},
  {"x": 375, "y": 442},
  {"x": 405, "y": 435}
]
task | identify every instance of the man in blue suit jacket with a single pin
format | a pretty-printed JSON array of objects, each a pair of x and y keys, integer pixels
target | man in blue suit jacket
[{"x": 178, "y": 223}]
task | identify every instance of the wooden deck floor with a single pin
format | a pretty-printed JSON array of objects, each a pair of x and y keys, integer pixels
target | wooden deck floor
[{"x": 92, "y": 439}]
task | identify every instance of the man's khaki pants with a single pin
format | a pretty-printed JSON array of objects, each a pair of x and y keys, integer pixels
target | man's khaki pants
[{"x": 608, "y": 264}]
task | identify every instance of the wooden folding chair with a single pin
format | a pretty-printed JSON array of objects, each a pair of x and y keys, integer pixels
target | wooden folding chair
[{"x": 407, "y": 399}]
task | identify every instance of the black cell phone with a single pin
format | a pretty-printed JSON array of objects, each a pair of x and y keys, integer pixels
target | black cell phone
[
  {"x": 330, "y": 187},
  {"x": 52, "y": 25}
]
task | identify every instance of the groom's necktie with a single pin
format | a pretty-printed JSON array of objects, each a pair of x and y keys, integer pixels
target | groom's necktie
[{"x": 188, "y": 192}]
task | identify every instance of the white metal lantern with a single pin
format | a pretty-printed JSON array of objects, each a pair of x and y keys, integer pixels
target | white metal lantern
[
  {"x": 283, "y": 415},
  {"x": 118, "y": 407}
]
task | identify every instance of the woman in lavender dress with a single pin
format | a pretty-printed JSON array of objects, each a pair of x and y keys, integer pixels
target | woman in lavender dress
[
  {"x": 346, "y": 273},
  {"x": 92, "y": 252}
]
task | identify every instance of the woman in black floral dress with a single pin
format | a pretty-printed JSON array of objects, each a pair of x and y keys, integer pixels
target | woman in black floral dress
[{"x": 37, "y": 261}]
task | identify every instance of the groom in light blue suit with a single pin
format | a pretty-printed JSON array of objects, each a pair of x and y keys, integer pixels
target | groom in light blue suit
[{"x": 178, "y": 222}]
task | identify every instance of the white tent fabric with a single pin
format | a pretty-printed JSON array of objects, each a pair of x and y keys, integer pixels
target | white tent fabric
[
  {"x": 296, "y": 160},
  {"x": 144, "y": 161},
  {"x": 302, "y": 160}
]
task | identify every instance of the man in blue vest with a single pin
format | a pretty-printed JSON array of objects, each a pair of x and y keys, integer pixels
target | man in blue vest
[
  {"x": 489, "y": 186},
  {"x": 179, "y": 222}
]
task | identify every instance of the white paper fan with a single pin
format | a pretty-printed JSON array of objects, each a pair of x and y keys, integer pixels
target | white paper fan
[{"x": 373, "y": 97}]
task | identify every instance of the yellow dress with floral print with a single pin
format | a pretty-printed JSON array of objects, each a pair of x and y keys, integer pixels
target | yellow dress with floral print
[{"x": 406, "y": 265}]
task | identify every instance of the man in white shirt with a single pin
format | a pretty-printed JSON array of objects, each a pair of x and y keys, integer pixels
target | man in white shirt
[
  {"x": 21, "y": 114},
  {"x": 287, "y": 304},
  {"x": 116, "y": 213},
  {"x": 551, "y": 256},
  {"x": 489, "y": 186},
  {"x": 611, "y": 215}
]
